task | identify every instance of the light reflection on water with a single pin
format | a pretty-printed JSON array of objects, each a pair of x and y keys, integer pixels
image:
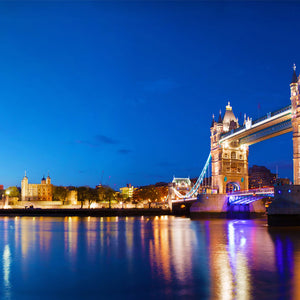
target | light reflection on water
[{"x": 143, "y": 257}]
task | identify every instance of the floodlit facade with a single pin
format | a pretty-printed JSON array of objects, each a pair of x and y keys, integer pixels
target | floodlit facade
[
  {"x": 229, "y": 160},
  {"x": 35, "y": 191},
  {"x": 127, "y": 191},
  {"x": 295, "y": 101}
]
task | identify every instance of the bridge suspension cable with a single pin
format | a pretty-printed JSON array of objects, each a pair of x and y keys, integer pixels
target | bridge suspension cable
[{"x": 198, "y": 182}]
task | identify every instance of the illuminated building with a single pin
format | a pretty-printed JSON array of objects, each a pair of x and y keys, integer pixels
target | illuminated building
[
  {"x": 182, "y": 185},
  {"x": 229, "y": 160},
  {"x": 295, "y": 101},
  {"x": 260, "y": 176},
  {"x": 127, "y": 191},
  {"x": 35, "y": 191},
  {"x": 72, "y": 196}
]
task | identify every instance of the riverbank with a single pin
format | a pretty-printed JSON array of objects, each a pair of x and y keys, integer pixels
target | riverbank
[{"x": 84, "y": 212}]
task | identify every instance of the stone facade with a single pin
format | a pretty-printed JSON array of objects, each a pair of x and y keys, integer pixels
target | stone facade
[
  {"x": 229, "y": 160},
  {"x": 295, "y": 102},
  {"x": 36, "y": 192},
  {"x": 286, "y": 200}
]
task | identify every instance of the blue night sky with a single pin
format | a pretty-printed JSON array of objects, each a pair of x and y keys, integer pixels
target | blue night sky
[{"x": 123, "y": 92}]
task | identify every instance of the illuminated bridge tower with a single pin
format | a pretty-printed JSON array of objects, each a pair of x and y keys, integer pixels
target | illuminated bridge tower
[
  {"x": 229, "y": 160},
  {"x": 295, "y": 101}
]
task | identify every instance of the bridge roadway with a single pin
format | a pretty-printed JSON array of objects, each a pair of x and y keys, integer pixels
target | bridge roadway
[
  {"x": 183, "y": 200},
  {"x": 248, "y": 196},
  {"x": 238, "y": 197},
  {"x": 271, "y": 125}
]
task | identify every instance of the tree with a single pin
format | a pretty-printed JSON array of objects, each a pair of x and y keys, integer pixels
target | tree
[
  {"x": 110, "y": 195},
  {"x": 91, "y": 196},
  {"x": 81, "y": 194},
  {"x": 163, "y": 192},
  {"x": 148, "y": 193},
  {"x": 2, "y": 194},
  {"x": 60, "y": 193},
  {"x": 135, "y": 197},
  {"x": 13, "y": 191},
  {"x": 101, "y": 193}
]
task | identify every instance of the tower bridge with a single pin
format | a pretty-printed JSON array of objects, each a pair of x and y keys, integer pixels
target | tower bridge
[{"x": 228, "y": 157}]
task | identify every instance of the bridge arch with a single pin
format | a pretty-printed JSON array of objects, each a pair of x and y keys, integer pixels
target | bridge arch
[{"x": 232, "y": 187}]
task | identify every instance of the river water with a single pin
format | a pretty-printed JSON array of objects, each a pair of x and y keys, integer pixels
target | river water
[{"x": 147, "y": 258}]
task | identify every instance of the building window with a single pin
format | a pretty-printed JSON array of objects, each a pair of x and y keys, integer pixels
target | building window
[
  {"x": 233, "y": 155},
  {"x": 225, "y": 155},
  {"x": 241, "y": 156}
]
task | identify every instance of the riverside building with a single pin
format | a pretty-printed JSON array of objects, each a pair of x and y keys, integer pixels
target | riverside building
[{"x": 36, "y": 191}]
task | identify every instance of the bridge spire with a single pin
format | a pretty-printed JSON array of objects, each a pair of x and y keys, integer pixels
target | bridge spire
[
  {"x": 294, "y": 78},
  {"x": 220, "y": 117},
  {"x": 228, "y": 107},
  {"x": 213, "y": 121}
]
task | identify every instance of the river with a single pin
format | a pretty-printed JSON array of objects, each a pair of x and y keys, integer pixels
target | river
[{"x": 143, "y": 258}]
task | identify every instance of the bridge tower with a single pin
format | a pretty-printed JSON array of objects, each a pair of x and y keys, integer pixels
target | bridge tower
[
  {"x": 295, "y": 101},
  {"x": 229, "y": 160}
]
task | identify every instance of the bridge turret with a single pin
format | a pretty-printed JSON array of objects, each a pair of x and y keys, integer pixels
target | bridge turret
[
  {"x": 294, "y": 78},
  {"x": 220, "y": 118},
  {"x": 229, "y": 120},
  {"x": 294, "y": 86},
  {"x": 229, "y": 160}
]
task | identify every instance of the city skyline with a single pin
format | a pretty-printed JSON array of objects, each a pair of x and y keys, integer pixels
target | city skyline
[{"x": 124, "y": 92}]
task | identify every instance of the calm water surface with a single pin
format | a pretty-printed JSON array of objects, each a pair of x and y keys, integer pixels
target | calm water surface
[{"x": 147, "y": 258}]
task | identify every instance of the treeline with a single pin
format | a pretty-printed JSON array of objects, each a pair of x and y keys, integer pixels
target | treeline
[
  {"x": 87, "y": 194},
  {"x": 105, "y": 194},
  {"x": 101, "y": 194},
  {"x": 150, "y": 193}
]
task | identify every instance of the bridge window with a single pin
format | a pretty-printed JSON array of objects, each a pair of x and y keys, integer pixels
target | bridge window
[{"x": 233, "y": 155}]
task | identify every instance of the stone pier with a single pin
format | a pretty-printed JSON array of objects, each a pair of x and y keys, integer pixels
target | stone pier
[{"x": 285, "y": 208}]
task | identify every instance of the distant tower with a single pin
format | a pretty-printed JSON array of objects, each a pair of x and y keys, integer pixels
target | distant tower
[
  {"x": 216, "y": 130},
  {"x": 24, "y": 187},
  {"x": 43, "y": 181},
  {"x": 48, "y": 179},
  {"x": 294, "y": 86}
]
